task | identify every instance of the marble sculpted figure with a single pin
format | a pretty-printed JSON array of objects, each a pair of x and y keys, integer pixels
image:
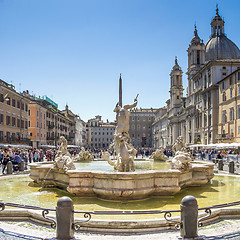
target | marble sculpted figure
[
  {"x": 182, "y": 158},
  {"x": 159, "y": 155},
  {"x": 83, "y": 155},
  {"x": 63, "y": 160},
  {"x": 122, "y": 146}
]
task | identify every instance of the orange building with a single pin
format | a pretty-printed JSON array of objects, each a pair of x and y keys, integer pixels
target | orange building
[{"x": 37, "y": 124}]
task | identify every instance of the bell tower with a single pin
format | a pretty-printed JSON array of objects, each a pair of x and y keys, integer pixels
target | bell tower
[
  {"x": 176, "y": 89},
  {"x": 196, "y": 53}
]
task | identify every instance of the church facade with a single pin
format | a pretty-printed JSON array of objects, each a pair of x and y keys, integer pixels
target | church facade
[{"x": 196, "y": 116}]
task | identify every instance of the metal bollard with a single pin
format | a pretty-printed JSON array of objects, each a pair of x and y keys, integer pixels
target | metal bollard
[
  {"x": 220, "y": 164},
  {"x": 21, "y": 166},
  {"x": 65, "y": 219},
  {"x": 189, "y": 218},
  {"x": 231, "y": 166},
  {"x": 9, "y": 167}
]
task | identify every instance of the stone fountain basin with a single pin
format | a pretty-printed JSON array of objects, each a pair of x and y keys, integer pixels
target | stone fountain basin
[{"x": 121, "y": 185}]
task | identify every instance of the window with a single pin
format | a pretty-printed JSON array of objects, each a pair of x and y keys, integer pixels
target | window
[
  {"x": 224, "y": 118},
  {"x": 132, "y": 118},
  {"x": 238, "y": 76},
  {"x": 8, "y": 100},
  {"x": 8, "y": 120},
  {"x": 13, "y": 102},
  {"x": 26, "y": 124},
  {"x": 18, "y": 123},
  {"x": 1, "y": 118},
  {"x": 231, "y": 114},
  {"x": 18, "y": 104},
  {"x": 22, "y": 106},
  {"x": 198, "y": 56},
  {"x": 238, "y": 111},
  {"x": 239, "y": 89},
  {"x": 238, "y": 130},
  {"x": 230, "y": 81},
  {"x": 26, "y": 107},
  {"x": 1, "y": 97},
  {"x": 223, "y": 85},
  {"x": 224, "y": 97},
  {"x": 13, "y": 121},
  {"x": 22, "y": 123},
  {"x": 133, "y": 126},
  {"x": 231, "y": 92}
]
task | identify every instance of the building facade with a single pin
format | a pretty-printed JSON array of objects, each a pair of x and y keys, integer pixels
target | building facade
[
  {"x": 37, "y": 124},
  {"x": 13, "y": 115},
  {"x": 140, "y": 126},
  {"x": 160, "y": 137},
  {"x": 100, "y": 134},
  {"x": 229, "y": 108},
  {"x": 208, "y": 64}
]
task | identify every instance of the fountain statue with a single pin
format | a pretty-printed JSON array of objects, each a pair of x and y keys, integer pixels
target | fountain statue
[
  {"x": 123, "y": 149},
  {"x": 124, "y": 183},
  {"x": 159, "y": 155},
  {"x": 83, "y": 155},
  {"x": 182, "y": 159},
  {"x": 63, "y": 160}
]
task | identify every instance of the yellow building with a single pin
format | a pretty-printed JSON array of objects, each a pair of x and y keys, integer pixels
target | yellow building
[
  {"x": 229, "y": 108},
  {"x": 13, "y": 115}
]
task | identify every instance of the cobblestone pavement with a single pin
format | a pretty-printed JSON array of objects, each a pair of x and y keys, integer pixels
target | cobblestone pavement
[{"x": 7, "y": 235}]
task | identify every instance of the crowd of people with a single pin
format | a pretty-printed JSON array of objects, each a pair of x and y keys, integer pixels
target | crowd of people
[
  {"x": 209, "y": 154},
  {"x": 16, "y": 156}
]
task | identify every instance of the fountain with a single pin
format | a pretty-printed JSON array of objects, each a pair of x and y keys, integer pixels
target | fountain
[{"x": 123, "y": 183}]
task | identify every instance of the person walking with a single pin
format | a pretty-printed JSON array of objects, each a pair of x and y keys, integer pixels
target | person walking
[
  {"x": 6, "y": 159},
  {"x": 30, "y": 155}
]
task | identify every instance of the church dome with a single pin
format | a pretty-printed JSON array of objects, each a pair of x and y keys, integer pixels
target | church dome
[{"x": 220, "y": 47}]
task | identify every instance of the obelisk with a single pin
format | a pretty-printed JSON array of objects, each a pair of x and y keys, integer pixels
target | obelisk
[{"x": 120, "y": 91}]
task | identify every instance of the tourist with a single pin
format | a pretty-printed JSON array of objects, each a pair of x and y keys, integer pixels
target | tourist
[
  {"x": 41, "y": 155},
  {"x": 36, "y": 155},
  {"x": 49, "y": 155},
  {"x": 16, "y": 161},
  {"x": 24, "y": 157},
  {"x": 219, "y": 156},
  {"x": 30, "y": 155},
  {"x": 6, "y": 159},
  {"x": 1, "y": 156}
]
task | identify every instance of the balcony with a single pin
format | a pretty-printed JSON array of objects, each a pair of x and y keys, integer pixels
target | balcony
[
  {"x": 15, "y": 140},
  {"x": 224, "y": 136}
]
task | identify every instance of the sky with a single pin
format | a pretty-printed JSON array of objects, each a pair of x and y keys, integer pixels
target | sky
[{"x": 73, "y": 51}]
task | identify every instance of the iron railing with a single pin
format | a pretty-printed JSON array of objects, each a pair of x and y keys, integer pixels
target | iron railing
[{"x": 88, "y": 214}]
